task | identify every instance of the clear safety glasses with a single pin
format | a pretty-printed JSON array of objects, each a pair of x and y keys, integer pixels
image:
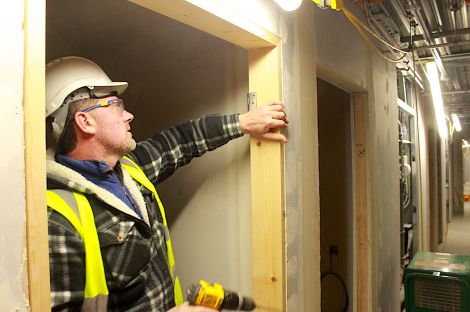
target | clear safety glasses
[{"x": 117, "y": 104}]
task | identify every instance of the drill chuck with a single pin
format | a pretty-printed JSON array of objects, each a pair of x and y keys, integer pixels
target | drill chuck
[{"x": 215, "y": 297}]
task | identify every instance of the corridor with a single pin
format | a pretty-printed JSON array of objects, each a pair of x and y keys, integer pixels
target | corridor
[{"x": 457, "y": 239}]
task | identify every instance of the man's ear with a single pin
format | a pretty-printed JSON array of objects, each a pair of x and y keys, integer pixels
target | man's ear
[{"x": 85, "y": 123}]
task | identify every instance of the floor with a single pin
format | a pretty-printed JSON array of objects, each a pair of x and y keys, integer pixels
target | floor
[
  {"x": 458, "y": 231},
  {"x": 457, "y": 239}
]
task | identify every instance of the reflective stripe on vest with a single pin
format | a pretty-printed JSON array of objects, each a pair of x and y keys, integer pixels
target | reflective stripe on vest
[
  {"x": 96, "y": 290},
  {"x": 137, "y": 174}
]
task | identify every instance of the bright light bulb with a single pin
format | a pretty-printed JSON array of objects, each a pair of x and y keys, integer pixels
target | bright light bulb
[
  {"x": 456, "y": 122},
  {"x": 433, "y": 78},
  {"x": 289, "y": 5}
]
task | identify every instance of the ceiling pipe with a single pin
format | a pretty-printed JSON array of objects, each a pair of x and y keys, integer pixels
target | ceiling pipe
[
  {"x": 408, "y": 70},
  {"x": 422, "y": 24},
  {"x": 441, "y": 34},
  {"x": 437, "y": 15},
  {"x": 440, "y": 45},
  {"x": 446, "y": 58},
  {"x": 457, "y": 92},
  {"x": 378, "y": 27}
]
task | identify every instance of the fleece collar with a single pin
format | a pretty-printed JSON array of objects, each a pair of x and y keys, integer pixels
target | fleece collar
[{"x": 76, "y": 182}]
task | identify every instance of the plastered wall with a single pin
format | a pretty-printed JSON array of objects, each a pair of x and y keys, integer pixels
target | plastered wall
[
  {"x": 13, "y": 270},
  {"x": 301, "y": 159},
  {"x": 345, "y": 60}
]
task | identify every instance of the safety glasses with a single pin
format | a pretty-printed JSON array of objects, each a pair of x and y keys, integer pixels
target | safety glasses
[{"x": 118, "y": 104}]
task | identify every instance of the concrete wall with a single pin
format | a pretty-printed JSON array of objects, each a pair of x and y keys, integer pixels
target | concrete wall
[
  {"x": 13, "y": 274},
  {"x": 344, "y": 59}
]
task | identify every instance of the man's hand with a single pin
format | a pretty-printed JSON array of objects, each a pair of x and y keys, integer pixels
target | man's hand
[
  {"x": 265, "y": 121},
  {"x": 185, "y": 307}
]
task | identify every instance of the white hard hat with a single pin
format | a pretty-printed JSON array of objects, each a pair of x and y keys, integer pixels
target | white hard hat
[{"x": 68, "y": 74}]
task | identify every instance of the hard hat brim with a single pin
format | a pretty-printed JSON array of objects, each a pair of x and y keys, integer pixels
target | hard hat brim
[{"x": 109, "y": 88}]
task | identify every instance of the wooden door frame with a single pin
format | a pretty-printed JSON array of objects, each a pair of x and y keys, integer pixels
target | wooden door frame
[
  {"x": 361, "y": 203},
  {"x": 267, "y": 163}
]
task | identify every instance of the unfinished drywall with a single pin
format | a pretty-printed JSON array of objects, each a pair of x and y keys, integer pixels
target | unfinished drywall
[
  {"x": 336, "y": 198},
  {"x": 346, "y": 60},
  {"x": 13, "y": 283},
  {"x": 175, "y": 73},
  {"x": 301, "y": 160}
]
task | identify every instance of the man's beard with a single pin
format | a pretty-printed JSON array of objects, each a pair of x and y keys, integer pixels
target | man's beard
[{"x": 122, "y": 148}]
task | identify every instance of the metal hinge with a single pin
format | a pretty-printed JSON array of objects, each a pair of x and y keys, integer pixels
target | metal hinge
[{"x": 251, "y": 100}]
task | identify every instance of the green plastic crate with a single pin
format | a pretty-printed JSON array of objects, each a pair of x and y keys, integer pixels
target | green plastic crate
[{"x": 438, "y": 282}]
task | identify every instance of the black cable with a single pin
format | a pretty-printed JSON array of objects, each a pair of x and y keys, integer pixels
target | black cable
[{"x": 343, "y": 284}]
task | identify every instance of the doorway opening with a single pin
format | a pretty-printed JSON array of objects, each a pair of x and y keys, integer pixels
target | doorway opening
[
  {"x": 335, "y": 138},
  {"x": 175, "y": 73}
]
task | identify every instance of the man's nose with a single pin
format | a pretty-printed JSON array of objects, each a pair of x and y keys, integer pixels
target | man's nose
[{"x": 128, "y": 116}]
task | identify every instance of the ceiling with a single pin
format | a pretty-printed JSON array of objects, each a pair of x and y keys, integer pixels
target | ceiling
[{"x": 434, "y": 30}]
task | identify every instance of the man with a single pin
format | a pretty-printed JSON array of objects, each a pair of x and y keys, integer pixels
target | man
[{"x": 109, "y": 244}]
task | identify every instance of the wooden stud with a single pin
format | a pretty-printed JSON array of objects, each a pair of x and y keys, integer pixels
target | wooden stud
[
  {"x": 363, "y": 241},
  {"x": 215, "y": 19},
  {"x": 35, "y": 155},
  {"x": 267, "y": 189}
]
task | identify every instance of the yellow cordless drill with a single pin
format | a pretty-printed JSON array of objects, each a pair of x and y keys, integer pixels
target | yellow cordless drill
[{"x": 216, "y": 297}]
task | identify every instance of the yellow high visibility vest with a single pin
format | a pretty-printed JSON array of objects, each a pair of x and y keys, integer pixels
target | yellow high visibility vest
[
  {"x": 83, "y": 221},
  {"x": 96, "y": 290},
  {"x": 137, "y": 174}
]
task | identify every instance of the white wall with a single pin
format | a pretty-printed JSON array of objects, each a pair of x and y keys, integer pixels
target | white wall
[{"x": 13, "y": 274}]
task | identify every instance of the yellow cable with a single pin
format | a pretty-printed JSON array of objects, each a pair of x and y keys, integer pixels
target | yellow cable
[
  {"x": 369, "y": 42},
  {"x": 349, "y": 14}
]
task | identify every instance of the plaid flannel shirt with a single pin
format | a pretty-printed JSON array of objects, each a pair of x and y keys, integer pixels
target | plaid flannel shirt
[{"x": 133, "y": 251}]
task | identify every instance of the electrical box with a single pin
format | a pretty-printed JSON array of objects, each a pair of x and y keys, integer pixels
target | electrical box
[{"x": 436, "y": 282}]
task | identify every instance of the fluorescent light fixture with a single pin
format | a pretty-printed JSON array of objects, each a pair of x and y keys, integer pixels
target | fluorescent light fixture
[
  {"x": 289, "y": 5},
  {"x": 456, "y": 122},
  {"x": 433, "y": 78}
]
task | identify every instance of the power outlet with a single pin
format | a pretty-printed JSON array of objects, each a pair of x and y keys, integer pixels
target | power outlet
[{"x": 333, "y": 249}]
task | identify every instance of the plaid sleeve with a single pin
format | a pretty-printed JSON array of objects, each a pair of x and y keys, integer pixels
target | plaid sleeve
[
  {"x": 67, "y": 264},
  {"x": 165, "y": 152}
]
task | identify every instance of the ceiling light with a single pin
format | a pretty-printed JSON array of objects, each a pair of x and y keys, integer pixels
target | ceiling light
[
  {"x": 289, "y": 5},
  {"x": 456, "y": 122},
  {"x": 433, "y": 78}
]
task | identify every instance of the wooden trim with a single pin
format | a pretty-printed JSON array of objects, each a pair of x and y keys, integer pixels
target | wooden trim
[
  {"x": 267, "y": 189},
  {"x": 215, "y": 19},
  {"x": 35, "y": 154},
  {"x": 363, "y": 215}
]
